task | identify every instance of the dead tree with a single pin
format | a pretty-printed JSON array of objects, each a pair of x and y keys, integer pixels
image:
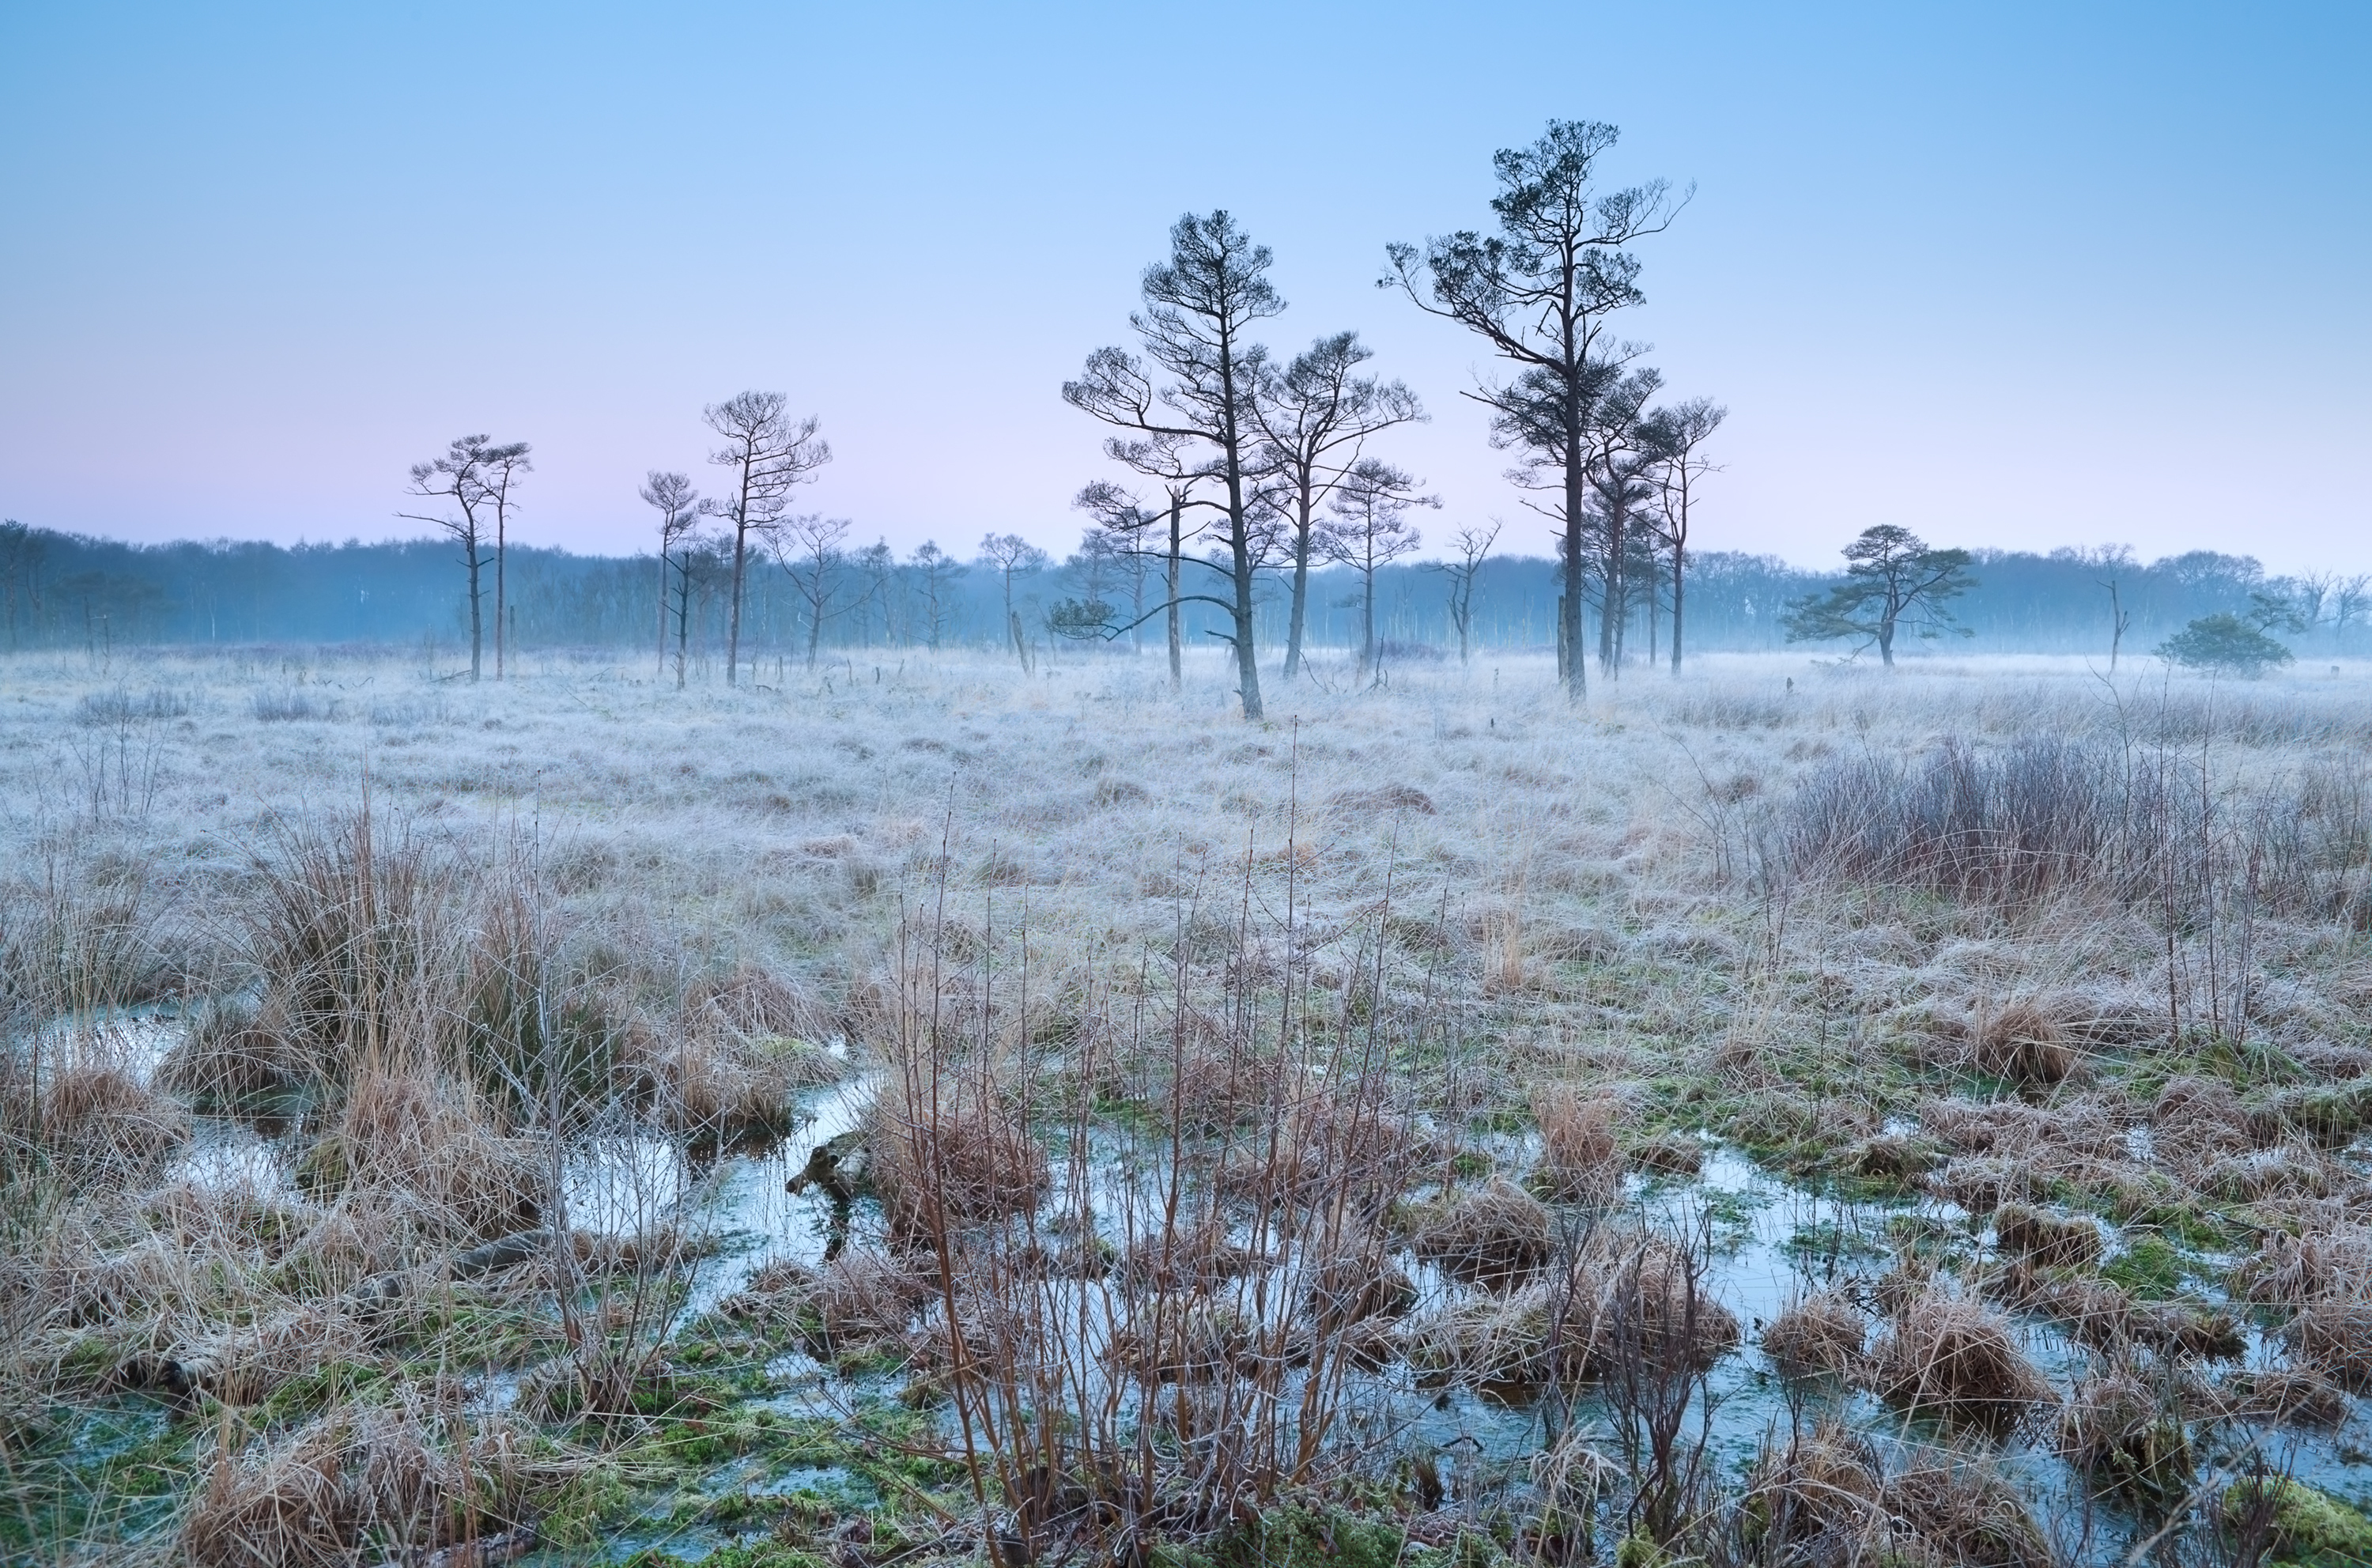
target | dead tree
[
  {"x": 459, "y": 478},
  {"x": 1369, "y": 531},
  {"x": 1471, "y": 545},
  {"x": 809, "y": 551},
  {"x": 1010, "y": 555},
  {"x": 1315, "y": 417},
  {"x": 503, "y": 467},
  {"x": 1200, "y": 306},
  {"x": 767, "y": 452},
  {"x": 678, "y": 505},
  {"x": 939, "y": 570},
  {"x": 1542, "y": 292}
]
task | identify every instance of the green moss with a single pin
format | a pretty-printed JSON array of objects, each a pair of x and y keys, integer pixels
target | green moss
[
  {"x": 2151, "y": 1269},
  {"x": 1296, "y": 1536},
  {"x": 2310, "y": 1527}
]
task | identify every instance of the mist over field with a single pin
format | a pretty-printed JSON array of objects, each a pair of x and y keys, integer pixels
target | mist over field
[{"x": 1040, "y": 907}]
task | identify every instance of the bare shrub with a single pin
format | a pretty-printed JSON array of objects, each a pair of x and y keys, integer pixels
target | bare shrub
[{"x": 957, "y": 1159}]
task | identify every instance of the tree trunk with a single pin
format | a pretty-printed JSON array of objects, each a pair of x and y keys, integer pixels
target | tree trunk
[
  {"x": 733, "y": 626},
  {"x": 1576, "y": 681},
  {"x": 1680, "y": 553},
  {"x": 1300, "y": 616},
  {"x": 502, "y": 600},
  {"x": 1614, "y": 610},
  {"x": 1367, "y": 622},
  {"x": 1177, "y": 630},
  {"x": 477, "y": 635}
]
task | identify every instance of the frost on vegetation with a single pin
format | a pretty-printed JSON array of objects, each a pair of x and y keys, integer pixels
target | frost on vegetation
[{"x": 1302, "y": 1084}]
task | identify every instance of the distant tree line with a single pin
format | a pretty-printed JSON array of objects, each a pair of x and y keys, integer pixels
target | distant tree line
[{"x": 67, "y": 591}]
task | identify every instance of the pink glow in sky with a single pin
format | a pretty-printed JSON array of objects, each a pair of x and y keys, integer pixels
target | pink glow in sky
[{"x": 2015, "y": 275}]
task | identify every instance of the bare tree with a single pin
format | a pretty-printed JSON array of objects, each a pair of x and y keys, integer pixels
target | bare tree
[
  {"x": 2120, "y": 620},
  {"x": 937, "y": 571},
  {"x": 878, "y": 566},
  {"x": 1117, "y": 508},
  {"x": 1010, "y": 555},
  {"x": 1678, "y": 435},
  {"x": 768, "y": 452},
  {"x": 1199, "y": 306},
  {"x": 2349, "y": 598},
  {"x": 808, "y": 547},
  {"x": 1369, "y": 530},
  {"x": 1471, "y": 545},
  {"x": 503, "y": 467},
  {"x": 678, "y": 505},
  {"x": 1541, "y": 293},
  {"x": 1315, "y": 417},
  {"x": 459, "y": 477},
  {"x": 1117, "y": 541},
  {"x": 20, "y": 557},
  {"x": 700, "y": 568}
]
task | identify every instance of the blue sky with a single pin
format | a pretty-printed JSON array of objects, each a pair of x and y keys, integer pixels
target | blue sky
[{"x": 2014, "y": 275}]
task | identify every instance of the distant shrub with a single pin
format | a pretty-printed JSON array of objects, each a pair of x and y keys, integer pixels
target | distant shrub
[
  {"x": 2223, "y": 643},
  {"x": 118, "y": 706},
  {"x": 281, "y": 707}
]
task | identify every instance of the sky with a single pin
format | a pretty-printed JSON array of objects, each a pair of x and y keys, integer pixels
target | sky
[{"x": 2014, "y": 275}]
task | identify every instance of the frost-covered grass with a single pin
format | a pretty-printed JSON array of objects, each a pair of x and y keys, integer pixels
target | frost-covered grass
[{"x": 2059, "y": 983}]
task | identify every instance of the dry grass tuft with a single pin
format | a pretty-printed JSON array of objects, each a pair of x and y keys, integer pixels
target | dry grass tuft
[
  {"x": 101, "y": 1125},
  {"x": 1495, "y": 1235},
  {"x": 2128, "y": 1436},
  {"x": 2024, "y": 1043},
  {"x": 349, "y": 1479},
  {"x": 2333, "y": 1335},
  {"x": 230, "y": 1057},
  {"x": 1950, "y": 1358},
  {"x": 1579, "y": 1163},
  {"x": 2281, "y": 1394},
  {"x": 962, "y": 1161},
  {"x": 426, "y": 1146},
  {"x": 1967, "y": 1514},
  {"x": 1822, "y": 1334},
  {"x": 1819, "y": 1499},
  {"x": 2048, "y": 1241},
  {"x": 754, "y": 1003}
]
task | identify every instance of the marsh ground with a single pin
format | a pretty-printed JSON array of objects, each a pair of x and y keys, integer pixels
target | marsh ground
[{"x": 1793, "y": 1113}]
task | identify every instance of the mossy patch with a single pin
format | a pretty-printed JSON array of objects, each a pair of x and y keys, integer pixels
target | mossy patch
[{"x": 2311, "y": 1528}]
